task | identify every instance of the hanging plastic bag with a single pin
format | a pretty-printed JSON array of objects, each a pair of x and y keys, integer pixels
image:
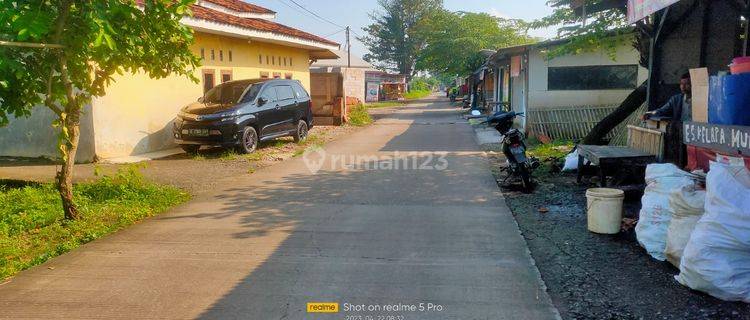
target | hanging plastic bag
[
  {"x": 687, "y": 203},
  {"x": 656, "y": 212},
  {"x": 716, "y": 259}
]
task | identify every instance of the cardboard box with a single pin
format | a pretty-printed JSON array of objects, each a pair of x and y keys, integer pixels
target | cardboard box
[{"x": 699, "y": 83}]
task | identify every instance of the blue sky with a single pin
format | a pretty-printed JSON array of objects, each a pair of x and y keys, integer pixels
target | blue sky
[{"x": 355, "y": 14}]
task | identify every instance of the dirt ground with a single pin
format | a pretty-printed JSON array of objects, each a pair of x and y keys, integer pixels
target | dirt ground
[
  {"x": 194, "y": 174},
  {"x": 592, "y": 276}
]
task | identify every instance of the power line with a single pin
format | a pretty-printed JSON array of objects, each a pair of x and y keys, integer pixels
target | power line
[
  {"x": 316, "y": 15},
  {"x": 335, "y": 33}
]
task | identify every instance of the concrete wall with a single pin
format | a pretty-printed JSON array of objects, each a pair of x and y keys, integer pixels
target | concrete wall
[
  {"x": 35, "y": 137},
  {"x": 540, "y": 98},
  {"x": 136, "y": 114},
  {"x": 354, "y": 82}
]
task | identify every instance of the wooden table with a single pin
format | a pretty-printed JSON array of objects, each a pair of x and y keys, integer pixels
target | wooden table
[{"x": 608, "y": 156}]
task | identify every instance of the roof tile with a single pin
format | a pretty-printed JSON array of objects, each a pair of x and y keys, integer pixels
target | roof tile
[
  {"x": 240, "y": 6},
  {"x": 255, "y": 24}
]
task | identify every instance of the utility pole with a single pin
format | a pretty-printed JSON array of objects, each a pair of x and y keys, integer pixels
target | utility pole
[{"x": 348, "y": 49}]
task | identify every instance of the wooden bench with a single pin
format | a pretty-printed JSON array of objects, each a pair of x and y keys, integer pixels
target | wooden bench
[{"x": 610, "y": 156}]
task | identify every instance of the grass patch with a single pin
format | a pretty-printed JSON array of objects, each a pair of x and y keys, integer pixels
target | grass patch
[
  {"x": 32, "y": 228},
  {"x": 385, "y": 104},
  {"x": 359, "y": 116},
  {"x": 312, "y": 141},
  {"x": 417, "y": 94},
  {"x": 554, "y": 149},
  {"x": 229, "y": 155}
]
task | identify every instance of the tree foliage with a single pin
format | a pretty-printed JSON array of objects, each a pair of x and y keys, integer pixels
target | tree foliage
[
  {"x": 98, "y": 39},
  {"x": 393, "y": 39},
  {"x": 454, "y": 40},
  {"x": 604, "y": 30}
]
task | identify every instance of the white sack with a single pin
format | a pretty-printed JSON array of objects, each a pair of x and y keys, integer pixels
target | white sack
[
  {"x": 571, "y": 161},
  {"x": 651, "y": 230},
  {"x": 687, "y": 203},
  {"x": 716, "y": 259}
]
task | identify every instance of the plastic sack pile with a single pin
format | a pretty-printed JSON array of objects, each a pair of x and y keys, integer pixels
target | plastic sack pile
[
  {"x": 687, "y": 203},
  {"x": 656, "y": 210},
  {"x": 716, "y": 259}
]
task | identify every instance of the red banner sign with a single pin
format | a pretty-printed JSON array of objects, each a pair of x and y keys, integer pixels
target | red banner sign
[{"x": 639, "y": 9}]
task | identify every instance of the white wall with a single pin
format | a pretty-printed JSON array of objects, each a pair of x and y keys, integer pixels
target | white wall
[
  {"x": 539, "y": 97},
  {"x": 34, "y": 136}
]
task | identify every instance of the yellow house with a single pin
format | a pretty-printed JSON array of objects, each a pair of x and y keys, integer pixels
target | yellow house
[{"x": 235, "y": 39}]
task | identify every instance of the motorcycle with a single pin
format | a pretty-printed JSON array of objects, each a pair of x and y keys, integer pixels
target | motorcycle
[{"x": 519, "y": 164}]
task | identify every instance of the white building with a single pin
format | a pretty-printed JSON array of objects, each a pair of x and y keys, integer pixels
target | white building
[{"x": 563, "y": 97}]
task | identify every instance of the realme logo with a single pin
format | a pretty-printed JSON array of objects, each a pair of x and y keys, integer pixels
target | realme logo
[{"x": 322, "y": 307}]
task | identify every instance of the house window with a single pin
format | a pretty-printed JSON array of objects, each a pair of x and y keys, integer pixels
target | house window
[
  {"x": 230, "y": 55},
  {"x": 288, "y": 76},
  {"x": 285, "y": 61},
  {"x": 203, "y": 54},
  {"x": 263, "y": 75},
  {"x": 226, "y": 75},
  {"x": 277, "y": 75},
  {"x": 221, "y": 55},
  {"x": 267, "y": 60},
  {"x": 592, "y": 77},
  {"x": 213, "y": 56},
  {"x": 273, "y": 60},
  {"x": 260, "y": 59},
  {"x": 290, "y": 61},
  {"x": 208, "y": 80}
]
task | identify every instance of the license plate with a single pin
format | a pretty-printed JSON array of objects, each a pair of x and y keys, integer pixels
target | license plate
[
  {"x": 198, "y": 132},
  {"x": 519, "y": 153}
]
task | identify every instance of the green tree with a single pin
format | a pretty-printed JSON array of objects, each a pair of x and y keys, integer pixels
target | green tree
[
  {"x": 61, "y": 53},
  {"x": 603, "y": 27},
  {"x": 392, "y": 38},
  {"x": 454, "y": 40}
]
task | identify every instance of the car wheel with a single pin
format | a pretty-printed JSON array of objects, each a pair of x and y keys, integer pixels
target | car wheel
[
  {"x": 301, "y": 133},
  {"x": 190, "y": 148},
  {"x": 249, "y": 141}
]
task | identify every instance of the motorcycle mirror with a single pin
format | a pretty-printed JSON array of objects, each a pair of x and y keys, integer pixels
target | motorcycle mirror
[{"x": 475, "y": 113}]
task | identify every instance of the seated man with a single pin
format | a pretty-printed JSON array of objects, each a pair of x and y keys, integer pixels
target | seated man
[{"x": 678, "y": 107}]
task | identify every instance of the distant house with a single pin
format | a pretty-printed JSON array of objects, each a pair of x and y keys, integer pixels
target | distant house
[
  {"x": 562, "y": 97},
  {"x": 351, "y": 69},
  {"x": 235, "y": 39},
  {"x": 352, "y": 79}
]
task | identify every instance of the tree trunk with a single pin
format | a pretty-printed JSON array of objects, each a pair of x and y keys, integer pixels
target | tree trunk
[
  {"x": 634, "y": 100},
  {"x": 65, "y": 174}
]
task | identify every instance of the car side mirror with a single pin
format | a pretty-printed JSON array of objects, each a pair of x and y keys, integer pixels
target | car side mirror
[{"x": 262, "y": 101}]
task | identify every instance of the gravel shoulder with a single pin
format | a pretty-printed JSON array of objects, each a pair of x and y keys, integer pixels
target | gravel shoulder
[{"x": 591, "y": 276}]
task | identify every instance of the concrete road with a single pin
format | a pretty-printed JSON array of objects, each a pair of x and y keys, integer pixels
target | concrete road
[{"x": 402, "y": 213}]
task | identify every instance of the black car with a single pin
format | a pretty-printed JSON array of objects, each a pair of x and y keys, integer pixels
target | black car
[{"x": 243, "y": 112}]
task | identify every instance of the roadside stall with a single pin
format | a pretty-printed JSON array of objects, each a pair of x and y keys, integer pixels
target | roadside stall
[{"x": 697, "y": 219}]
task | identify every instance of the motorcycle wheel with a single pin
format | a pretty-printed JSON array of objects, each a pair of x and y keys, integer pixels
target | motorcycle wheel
[{"x": 525, "y": 178}]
